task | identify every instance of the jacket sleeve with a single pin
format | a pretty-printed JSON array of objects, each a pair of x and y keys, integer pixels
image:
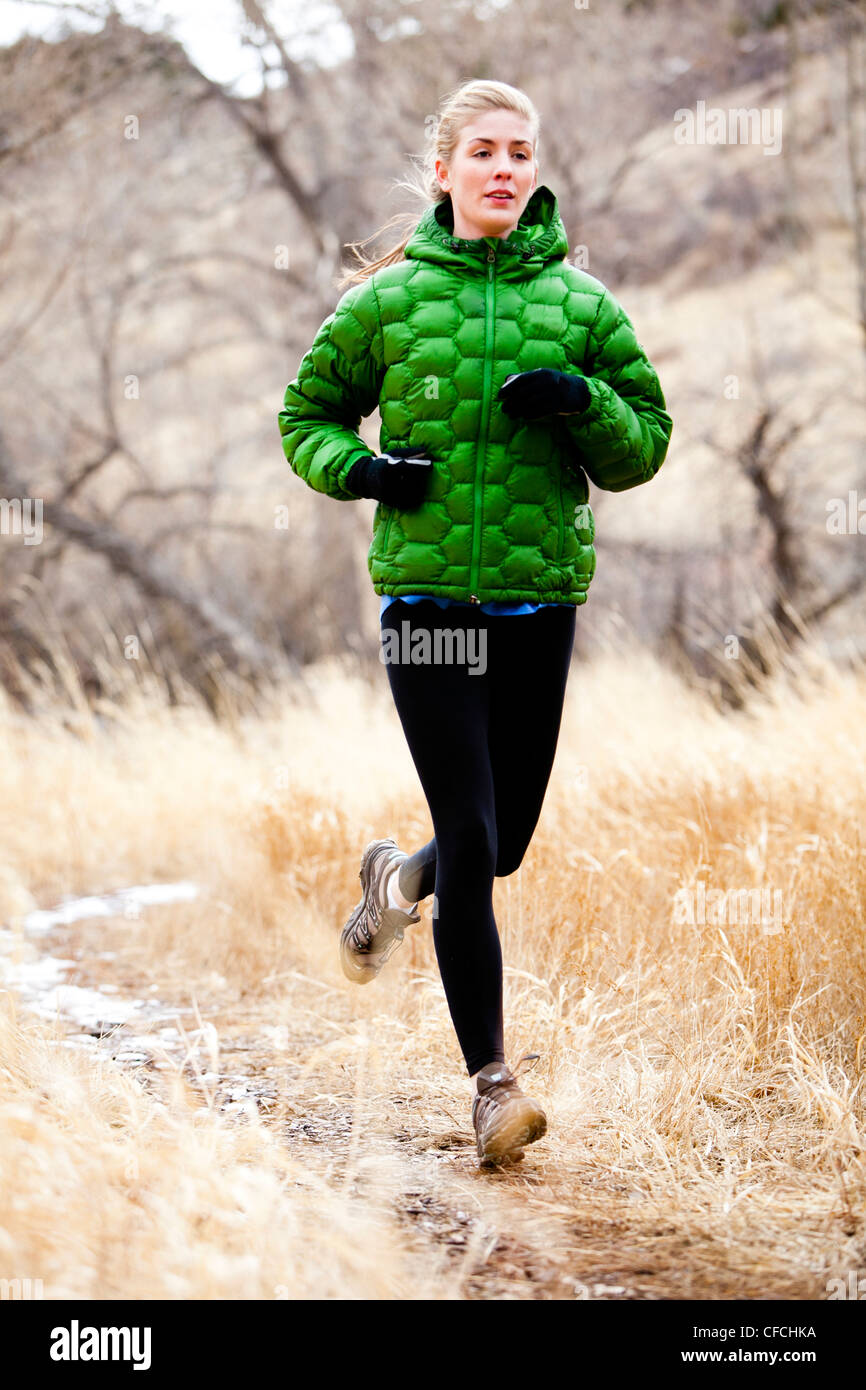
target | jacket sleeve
[
  {"x": 338, "y": 382},
  {"x": 622, "y": 437}
]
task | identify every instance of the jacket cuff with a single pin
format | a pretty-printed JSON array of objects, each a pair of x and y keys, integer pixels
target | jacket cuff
[
  {"x": 350, "y": 471},
  {"x": 579, "y": 396}
]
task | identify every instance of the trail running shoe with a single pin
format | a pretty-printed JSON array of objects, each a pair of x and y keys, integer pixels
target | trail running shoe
[
  {"x": 504, "y": 1118},
  {"x": 374, "y": 931}
]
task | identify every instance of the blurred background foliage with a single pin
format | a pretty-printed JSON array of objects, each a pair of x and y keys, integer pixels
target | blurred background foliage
[{"x": 170, "y": 243}]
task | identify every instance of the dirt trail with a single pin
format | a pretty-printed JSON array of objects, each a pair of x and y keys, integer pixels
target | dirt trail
[
  {"x": 500, "y": 1231},
  {"x": 701, "y": 1078},
  {"x": 551, "y": 1227}
]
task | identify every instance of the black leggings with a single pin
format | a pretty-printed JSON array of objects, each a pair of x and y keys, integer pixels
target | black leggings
[{"x": 483, "y": 743}]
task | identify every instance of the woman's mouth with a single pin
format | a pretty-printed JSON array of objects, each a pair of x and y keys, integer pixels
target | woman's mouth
[{"x": 500, "y": 197}]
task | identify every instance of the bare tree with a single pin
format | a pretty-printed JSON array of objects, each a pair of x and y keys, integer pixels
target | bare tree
[{"x": 852, "y": 24}]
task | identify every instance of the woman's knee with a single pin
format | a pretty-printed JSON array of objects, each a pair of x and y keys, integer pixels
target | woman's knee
[
  {"x": 509, "y": 858},
  {"x": 468, "y": 839}
]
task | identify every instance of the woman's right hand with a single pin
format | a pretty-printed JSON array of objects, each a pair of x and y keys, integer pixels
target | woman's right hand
[{"x": 398, "y": 479}]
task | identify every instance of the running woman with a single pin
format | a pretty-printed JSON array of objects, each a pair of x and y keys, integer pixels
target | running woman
[{"x": 505, "y": 378}]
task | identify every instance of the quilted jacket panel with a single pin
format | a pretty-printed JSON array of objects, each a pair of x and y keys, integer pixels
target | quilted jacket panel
[{"x": 430, "y": 340}]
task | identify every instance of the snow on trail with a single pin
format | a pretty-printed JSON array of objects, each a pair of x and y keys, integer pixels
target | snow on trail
[
  {"x": 109, "y": 904},
  {"x": 38, "y": 979},
  {"x": 99, "y": 1015},
  {"x": 497, "y": 1236}
]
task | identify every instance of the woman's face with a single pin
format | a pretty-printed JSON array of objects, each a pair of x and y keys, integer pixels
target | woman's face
[{"x": 494, "y": 155}]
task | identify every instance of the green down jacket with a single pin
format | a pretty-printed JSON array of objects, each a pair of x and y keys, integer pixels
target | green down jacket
[{"x": 430, "y": 340}]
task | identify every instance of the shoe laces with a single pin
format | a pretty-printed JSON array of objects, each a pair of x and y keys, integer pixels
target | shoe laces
[
  {"x": 527, "y": 1057},
  {"x": 498, "y": 1091}
]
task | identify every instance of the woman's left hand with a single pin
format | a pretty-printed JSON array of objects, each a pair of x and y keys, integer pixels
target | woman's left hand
[{"x": 531, "y": 395}]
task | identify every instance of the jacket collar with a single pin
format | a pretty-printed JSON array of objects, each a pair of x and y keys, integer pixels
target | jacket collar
[{"x": 538, "y": 237}]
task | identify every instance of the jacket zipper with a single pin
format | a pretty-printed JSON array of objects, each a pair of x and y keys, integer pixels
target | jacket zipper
[
  {"x": 561, "y": 545},
  {"x": 489, "y": 302}
]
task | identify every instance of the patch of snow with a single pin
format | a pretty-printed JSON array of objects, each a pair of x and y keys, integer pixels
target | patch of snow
[
  {"x": 87, "y": 1007},
  {"x": 124, "y": 903},
  {"x": 39, "y": 979},
  {"x": 34, "y": 976}
]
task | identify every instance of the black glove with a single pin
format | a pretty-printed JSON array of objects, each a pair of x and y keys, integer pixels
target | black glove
[
  {"x": 544, "y": 392},
  {"x": 399, "y": 478}
]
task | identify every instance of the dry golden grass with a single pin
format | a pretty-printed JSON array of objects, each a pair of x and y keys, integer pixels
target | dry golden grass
[{"x": 702, "y": 1081}]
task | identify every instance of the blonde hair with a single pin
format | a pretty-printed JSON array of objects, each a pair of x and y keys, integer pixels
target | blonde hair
[{"x": 457, "y": 109}]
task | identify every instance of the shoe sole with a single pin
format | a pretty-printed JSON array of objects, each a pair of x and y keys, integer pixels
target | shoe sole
[
  {"x": 506, "y": 1161},
  {"x": 353, "y": 970},
  {"x": 506, "y": 1142},
  {"x": 363, "y": 974}
]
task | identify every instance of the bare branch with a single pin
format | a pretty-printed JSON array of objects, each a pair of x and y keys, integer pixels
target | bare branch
[
  {"x": 12, "y": 340},
  {"x": 820, "y": 610},
  {"x": 88, "y": 471}
]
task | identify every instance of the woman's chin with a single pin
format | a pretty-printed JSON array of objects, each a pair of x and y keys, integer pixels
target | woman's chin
[{"x": 494, "y": 221}]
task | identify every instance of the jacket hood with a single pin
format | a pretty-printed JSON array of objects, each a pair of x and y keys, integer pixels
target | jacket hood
[{"x": 539, "y": 237}]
